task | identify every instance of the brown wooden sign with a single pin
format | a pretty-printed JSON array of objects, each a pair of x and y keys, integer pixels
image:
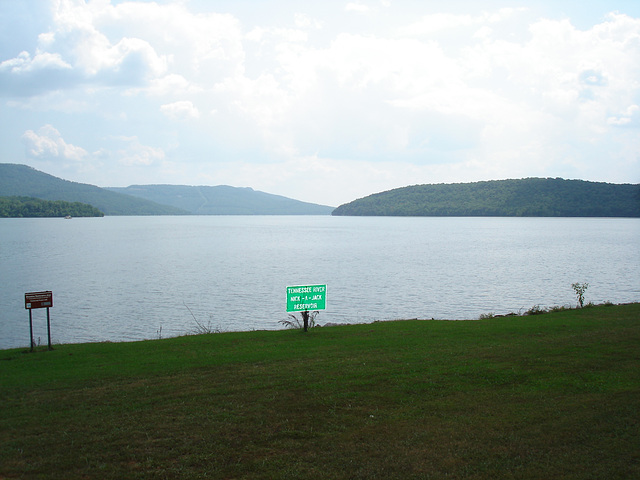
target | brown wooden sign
[{"x": 38, "y": 300}]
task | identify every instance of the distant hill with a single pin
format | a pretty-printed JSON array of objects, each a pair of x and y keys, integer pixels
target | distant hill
[
  {"x": 530, "y": 197},
  {"x": 223, "y": 200},
  {"x": 22, "y": 180}
]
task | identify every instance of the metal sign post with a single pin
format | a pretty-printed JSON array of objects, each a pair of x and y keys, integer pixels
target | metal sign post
[
  {"x": 39, "y": 300},
  {"x": 30, "y": 330}
]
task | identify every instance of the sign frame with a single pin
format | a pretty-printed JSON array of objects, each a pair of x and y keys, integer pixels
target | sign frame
[
  {"x": 38, "y": 300},
  {"x": 34, "y": 300}
]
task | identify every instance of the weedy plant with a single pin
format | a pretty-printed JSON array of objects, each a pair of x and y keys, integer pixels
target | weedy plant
[
  {"x": 536, "y": 310},
  {"x": 201, "y": 328},
  {"x": 204, "y": 329},
  {"x": 580, "y": 288},
  {"x": 301, "y": 323}
]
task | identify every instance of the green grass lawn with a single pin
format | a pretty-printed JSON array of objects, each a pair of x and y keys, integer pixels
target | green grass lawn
[{"x": 552, "y": 396}]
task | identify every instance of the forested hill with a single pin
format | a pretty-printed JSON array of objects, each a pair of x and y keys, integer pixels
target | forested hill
[
  {"x": 530, "y": 197},
  {"x": 223, "y": 200},
  {"x": 24, "y": 181}
]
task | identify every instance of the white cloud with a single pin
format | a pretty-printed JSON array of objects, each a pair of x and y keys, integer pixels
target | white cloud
[
  {"x": 357, "y": 7},
  {"x": 443, "y": 96},
  {"x": 502, "y": 105},
  {"x": 76, "y": 36},
  {"x": 101, "y": 44},
  {"x": 25, "y": 75},
  {"x": 23, "y": 63},
  {"x": 140, "y": 155},
  {"x": 629, "y": 115},
  {"x": 202, "y": 47},
  {"x": 76, "y": 54},
  {"x": 135, "y": 154},
  {"x": 304, "y": 21},
  {"x": 439, "y": 22},
  {"x": 368, "y": 8},
  {"x": 47, "y": 143},
  {"x": 169, "y": 85},
  {"x": 182, "y": 110}
]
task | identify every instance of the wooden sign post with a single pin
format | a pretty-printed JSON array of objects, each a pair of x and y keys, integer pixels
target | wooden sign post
[{"x": 39, "y": 300}]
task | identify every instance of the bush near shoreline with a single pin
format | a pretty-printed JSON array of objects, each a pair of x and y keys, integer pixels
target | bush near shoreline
[{"x": 554, "y": 395}]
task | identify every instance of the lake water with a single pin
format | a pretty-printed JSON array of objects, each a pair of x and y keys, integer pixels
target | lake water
[{"x": 133, "y": 278}]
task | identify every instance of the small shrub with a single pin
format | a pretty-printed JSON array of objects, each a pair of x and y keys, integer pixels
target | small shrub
[
  {"x": 579, "y": 289},
  {"x": 536, "y": 310}
]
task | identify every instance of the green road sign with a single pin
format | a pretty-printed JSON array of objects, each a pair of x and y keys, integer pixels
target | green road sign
[{"x": 308, "y": 297}]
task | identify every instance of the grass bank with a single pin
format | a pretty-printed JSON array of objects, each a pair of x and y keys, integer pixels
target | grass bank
[{"x": 547, "y": 396}]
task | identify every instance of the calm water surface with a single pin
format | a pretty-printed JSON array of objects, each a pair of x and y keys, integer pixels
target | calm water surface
[{"x": 132, "y": 278}]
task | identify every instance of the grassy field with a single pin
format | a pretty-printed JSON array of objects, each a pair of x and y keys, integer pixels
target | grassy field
[{"x": 553, "y": 396}]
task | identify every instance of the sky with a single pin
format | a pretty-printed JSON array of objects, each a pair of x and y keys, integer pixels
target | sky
[{"x": 323, "y": 102}]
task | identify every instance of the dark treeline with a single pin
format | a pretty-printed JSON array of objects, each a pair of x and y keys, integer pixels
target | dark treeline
[
  {"x": 11, "y": 207},
  {"x": 531, "y": 197}
]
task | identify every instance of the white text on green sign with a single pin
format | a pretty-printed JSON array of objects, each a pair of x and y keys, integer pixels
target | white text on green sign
[{"x": 308, "y": 297}]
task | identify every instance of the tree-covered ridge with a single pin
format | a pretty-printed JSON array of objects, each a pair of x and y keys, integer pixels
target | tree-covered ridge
[
  {"x": 223, "y": 200},
  {"x": 530, "y": 197},
  {"x": 23, "y": 207},
  {"x": 22, "y": 180}
]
